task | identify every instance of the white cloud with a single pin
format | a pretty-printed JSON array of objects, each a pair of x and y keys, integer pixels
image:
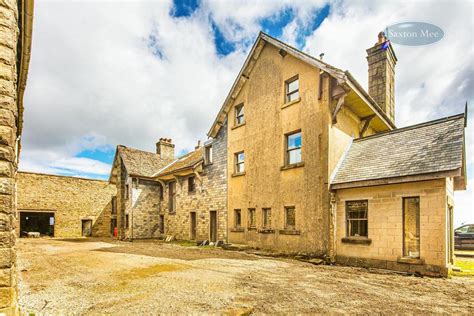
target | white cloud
[{"x": 94, "y": 81}]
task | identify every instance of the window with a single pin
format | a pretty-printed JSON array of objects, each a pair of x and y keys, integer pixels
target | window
[
  {"x": 411, "y": 227},
  {"x": 113, "y": 225},
  {"x": 127, "y": 191},
  {"x": 127, "y": 221},
  {"x": 162, "y": 224},
  {"x": 191, "y": 184},
  {"x": 292, "y": 89},
  {"x": 172, "y": 197},
  {"x": 237, "y": 218},
  {"x": 208, "y": 154},
  {"x": 293, "y": 148},
  {"x": 252, "y": 220},
  {"x": 114, "y": 205},
  {"x": 356, "y": 214},
  {"x": 239, "y": 114},
  {"x": 267, "y": 217},
  {"x": 290, "y": 217},
  {"x": 162, "y": 189},
  {"x": 239, "y": 162}
]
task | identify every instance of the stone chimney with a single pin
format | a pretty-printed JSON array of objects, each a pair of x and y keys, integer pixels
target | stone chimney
[
  {"x": 198, "y": 145},
  {"x": 165, "y": 148},
  {"x": 382, "y": 61}
]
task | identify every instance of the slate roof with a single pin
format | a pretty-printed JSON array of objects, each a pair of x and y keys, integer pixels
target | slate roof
[
  {"x": 430, "y": 147},
  {"x": 141, "y": 163},
  {"x": 188, "y": 160}
]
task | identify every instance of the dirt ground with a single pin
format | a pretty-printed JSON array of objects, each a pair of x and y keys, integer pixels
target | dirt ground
[{"x": 101, "y": 276}]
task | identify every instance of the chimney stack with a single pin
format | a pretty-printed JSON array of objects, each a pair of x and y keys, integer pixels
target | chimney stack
[
  {"x": 382, "y": 61},
  {"x": 198, "y": 145},
  {"x": 165, "y": 148}
]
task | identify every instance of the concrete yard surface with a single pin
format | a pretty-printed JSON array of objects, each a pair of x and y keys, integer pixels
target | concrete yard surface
[{"x": 102, "y": 276}]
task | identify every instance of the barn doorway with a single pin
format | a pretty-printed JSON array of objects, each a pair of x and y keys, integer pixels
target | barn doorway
[
  {"x": 37, "y": 222},
  {"x": 86, "y": 227}
]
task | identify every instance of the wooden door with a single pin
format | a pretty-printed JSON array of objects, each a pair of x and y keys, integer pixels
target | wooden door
[
  {"x": 193, "y": 225},
  {"x": 213, "y": 226}
]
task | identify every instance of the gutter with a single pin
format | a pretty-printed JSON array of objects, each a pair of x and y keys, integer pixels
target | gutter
[{"x": 25, "y": 16}]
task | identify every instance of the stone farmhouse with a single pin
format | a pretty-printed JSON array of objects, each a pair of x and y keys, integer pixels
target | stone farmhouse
[{"x": 300, "y": 159}]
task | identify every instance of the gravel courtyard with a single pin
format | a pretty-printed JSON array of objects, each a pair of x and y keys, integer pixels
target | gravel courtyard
[{"x": 101, "y": 276}]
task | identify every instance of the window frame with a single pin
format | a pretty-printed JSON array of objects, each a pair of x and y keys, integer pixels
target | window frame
[
  {"x": 208, "y": 152},
  {"x": 288, "y": 93},
  {"x": 237, "y": 224},
  {"x": 172, "y": 197},
  {"x": 404, "y": 250},
  {"x": 237, "y": 164},
  {"x": 348, "y": 219},
  {"x": 287, "y": 226},
  {"x": 239, "y": 119},
  {"x": 251, "y": 218},
  {"x": 191, "y": 184},
  {"x": 266, "y": 222},
  {"x": 288, "y": 150}
]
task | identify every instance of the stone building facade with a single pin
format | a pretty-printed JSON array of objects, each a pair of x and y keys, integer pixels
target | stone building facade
[
  {"x": 79, "y": 207},
  {"x": 196, "y": 206},
  {"x": 200, "y": 212},
  {"x": 294, "y": 128},
  {"x": 15, "y": 35}
]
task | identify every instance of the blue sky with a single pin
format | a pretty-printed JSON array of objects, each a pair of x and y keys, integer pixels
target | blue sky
[{"x": 134, "y": 73}]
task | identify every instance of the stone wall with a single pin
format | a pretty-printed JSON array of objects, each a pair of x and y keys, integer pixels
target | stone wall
[
  {"x": 385, "y": 227},
  {"x": 8, "y": 152},
  {"x": 71, "y": 199},
  {"x": 144, "y": 212},
  {"x": 210, "y": 195}
]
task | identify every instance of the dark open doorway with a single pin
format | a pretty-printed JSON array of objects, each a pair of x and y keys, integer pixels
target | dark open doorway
[
  {"x": 193, "y": 225},
  {"x": 86, "y": 227},
  {"x": 40, "y": 222}
]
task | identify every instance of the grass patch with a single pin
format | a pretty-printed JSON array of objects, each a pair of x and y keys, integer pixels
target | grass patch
[
  {"x": 185, "y": 243},
  {"x": 466, "y": 266}
]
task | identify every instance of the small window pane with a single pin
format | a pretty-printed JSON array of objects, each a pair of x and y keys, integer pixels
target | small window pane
[
  {"x": 239, "y": 114},
  {"x": 293, "y": 96},
  {"x": 294, "y": 156},
  {"x": 294, "y": 85},
  {"x": 294, "y": 140},
  {"x": 357, "y": 220},
  {"x": 238, "y": 218},
  {"x": 239, "y": 162}
]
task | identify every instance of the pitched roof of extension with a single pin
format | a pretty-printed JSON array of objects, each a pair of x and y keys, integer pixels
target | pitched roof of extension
[
  {"x": 189, "y": 160},
  {"x": 341, "y": 76},
  {"x": 430, "y": 148},
  {"x": 141, "y": 163}
]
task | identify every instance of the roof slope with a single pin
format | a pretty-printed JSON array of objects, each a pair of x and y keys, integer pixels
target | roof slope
[
  {"x": 340, "y": 75},
  {"x": 430, "y": 147},
  {"x": 189, "y": 160},
  {"x": 141, "y": 163}
]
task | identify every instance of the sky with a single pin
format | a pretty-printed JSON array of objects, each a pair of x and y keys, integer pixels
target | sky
[{"x": 104, "y": 73}]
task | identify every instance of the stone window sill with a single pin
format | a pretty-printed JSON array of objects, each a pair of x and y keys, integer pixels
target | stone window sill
[
  {"x": 409, "y": 260},
  {"x": 289, "y": 232},
  {"x": 238, "y": 174},
  {"x": 266, "y": 231},
  {"x": 237, "y": 126},
  {"x": 357, "y": 240},
  {"x": 292, "y": 166},
  {"x": 237, "y": 230},
  {"x": 191, "y": 192},
  {"x": 172, "y": 213},
  {"x": 252, "y": 229},
  {"x": 287, "y": 104}
]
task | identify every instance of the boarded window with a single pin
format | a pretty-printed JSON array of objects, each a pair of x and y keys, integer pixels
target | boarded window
[
  {"x": 127, "y": 221},
  {"x": 191, "y": 184},
  {"x": 237, "y": 218},
  {"x": 357, "y": 221},
  {"x": 290, "y": 217},
  {"x": 411, "y": 227},
  {"x": 127, "y": 191},
  {"x": 292, "y": 89},
  {"x": 252, "y": 219},
  {"x": 239, "y": 162},
  {"x": 293, "y": 148},
  {"x": 239, "y": 114},
  {"x": 267, "y": 217}
]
